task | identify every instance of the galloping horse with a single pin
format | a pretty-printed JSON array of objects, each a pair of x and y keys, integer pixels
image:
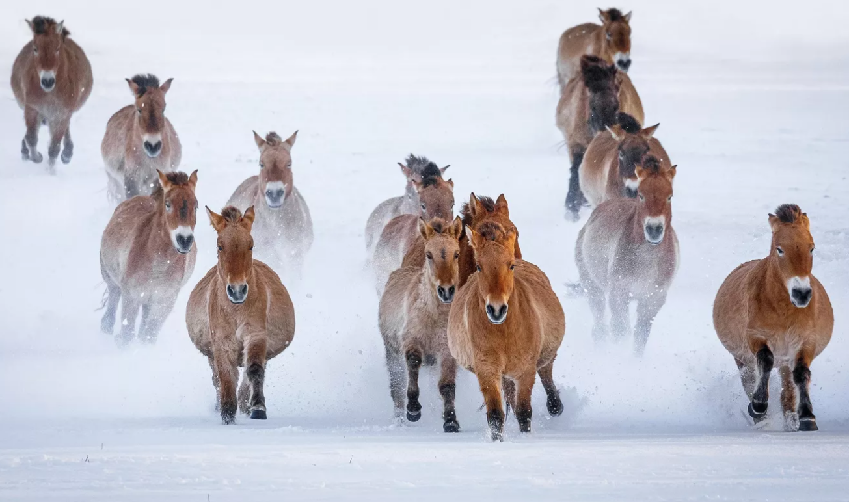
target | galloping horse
[
  {"x": 505, "y": 325},
  {"x": 413, "y": 320},
  {"x": 611, "y": 42},
  {"x": 628, "y": 249},
  {"x": 147, "y": 254},
  {"x": 283, "y": 227},
  {"x": 239, "y": 314},
  {"x": 396, "y": 206},
  {"x": 51, "y": 80},
  {"x": 589, "y": 103},
  {"x": 140, "y": 140},
  {"x": 774, "y": 311}
]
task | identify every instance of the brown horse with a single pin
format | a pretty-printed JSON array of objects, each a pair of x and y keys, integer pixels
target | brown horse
[
  {"x": 140, "y": 140},
  {"x": 396, "y": 206},
  {"x": 628, "y": 249},
  {"x": 51, "y": 80},
  {"x": 414, "y": 320},
  {"x": 239, "y": 314},
  {"x": 283, "y": 227},
  {"x": 506, "y": 349},
  {"x": 608, "y": 168},
  {"x": 475, "y": 214},
  {"x": 399, "y": 235},
  {"x": 611, "y": 42},
  {"x": 589, "y": 103},
  {"x": 147, "y": 254},
  {"x": 773, "y": 310}
]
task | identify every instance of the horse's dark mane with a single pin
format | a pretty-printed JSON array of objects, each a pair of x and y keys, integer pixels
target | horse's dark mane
[
  {"x": 431, "y": 175},
  {"x": 42, "y": 25},
  {"x": 598, "y": 76},
  {"x": 273, "y": 139},
  {"x": 615, "y": 15},
  {"x": 628, "y": 123},
  {"x": 175, "y": 178},
  {"x": 439, "y": 225},
  {"x": 651, "y": 164},
  {"x": 491, "y": 230},
  {"x": 418, "y": 164},
  {"x": 788, "y": 213},
  {"x": 466, "y": 214},
  {"x": 145, "y": 81},
  {"x": 231, "y": 214}
]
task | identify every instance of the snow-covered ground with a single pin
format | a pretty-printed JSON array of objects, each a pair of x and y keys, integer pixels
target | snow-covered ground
[{"x": 751, "y": 98}]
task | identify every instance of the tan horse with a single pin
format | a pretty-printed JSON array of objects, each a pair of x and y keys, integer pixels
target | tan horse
[
  {"x": 629, "y": 250},
  {"x": 589, "y": 103},
  {"x": 396, "y": 206},
  {"x": 506, "y": 349},
  {"x": 414, "y": 320},
  {"x": 774, "y": 311},
  {"x": 283, "y": 228},
  {"x": 399, "y": 235},
  {"x": 140, "y": 140},
  {"x": 51, "y": 80},
  {"x": 147, "y": 254},
  {"x": 611, "y": 42},
  {"x": 239, "y": 314},
  {"x": 608, "y": 168}
]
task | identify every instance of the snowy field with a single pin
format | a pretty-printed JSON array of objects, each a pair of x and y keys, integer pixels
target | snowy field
[{"x": 752, "y": 100}]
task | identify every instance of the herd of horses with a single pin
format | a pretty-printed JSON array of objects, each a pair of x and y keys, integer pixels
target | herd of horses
[{"x": 455, "y": 290}]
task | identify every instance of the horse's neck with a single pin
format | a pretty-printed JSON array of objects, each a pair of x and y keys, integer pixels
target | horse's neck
[
  {"x": 425, "y": 289},
  {"x": 769, "y": 286},
  {"x": 411, "y": 200}
]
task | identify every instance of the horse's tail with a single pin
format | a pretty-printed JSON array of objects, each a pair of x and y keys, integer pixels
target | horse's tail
[{"x": 104, "y": 299}]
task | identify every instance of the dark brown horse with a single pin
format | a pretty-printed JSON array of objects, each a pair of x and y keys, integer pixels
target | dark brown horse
[{"x": 51, "y": 80}]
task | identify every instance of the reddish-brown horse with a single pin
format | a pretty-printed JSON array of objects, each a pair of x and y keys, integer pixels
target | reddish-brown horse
[
  {"x": 140, "y": 140},
  {"x": 773, "y": 311},
  {"x": 239, "y": 314},
  {"x": 51, "y": 80},
  {"x": 147, "y": 254},
  {"x": 611, "y": 42},
  {"x": 629, "y": 250},
  {"x": 505, "y": 325},
  {"x": 413, "y": 320}
]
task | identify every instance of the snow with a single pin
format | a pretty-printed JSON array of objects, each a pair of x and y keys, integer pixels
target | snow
[{"x": 750, "y": 100}]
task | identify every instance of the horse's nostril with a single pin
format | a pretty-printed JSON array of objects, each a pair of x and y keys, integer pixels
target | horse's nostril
[
  {"x": 451, "y": 291},
  {"x": 801, "y": 296},
  {"x": 624, "y": 63},
  {"x": 185, "y": 241},
  {"x": 440, "y": 291},
  {"x": 48, "y": 82}
]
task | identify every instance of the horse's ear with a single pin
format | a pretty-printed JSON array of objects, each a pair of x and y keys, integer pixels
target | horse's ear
[
  {"x": 501, "y": 205},
  {"x": 60, "y": 27},
  {"x": 803, "y": 219},
  {"x": 163, "y": 181},
  {"x": 474, "y": 204},
  {"x": 640, "y": 172},
  {"x": 475, "y": 239},
  {"x": 31, "y": 26},
  {"x": 260, "y": 143},
  {"x": 248, "y": 218},
  {"x": 193, "y": 180},
  {"x": 290, "y": 141},
  {"x": 602, "y": 15},
  {"x": 408, "y": 173},
  {"x": 628, "y": 16},
  {"x": 648, "y": 132},
  {"x": 450, "y": 182},
  {"x": 167, "y": 85},
  {"x": 218, "y": 223},
  {"x": 133, "y": 87},
  {"x": 424, "y": 228},
  {"x": 672, "y": 172},
  {"x": 443, "y": 169},
  {"x": 510, "y": 241},
  {"x": 774, "y": 222},
  {"x": 616, "y": 131},
  {"x": 457, "y": 228}
]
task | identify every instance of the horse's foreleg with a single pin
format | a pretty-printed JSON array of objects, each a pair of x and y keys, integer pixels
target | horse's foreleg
[
  {"x": 255, "y": 353},
  {"x": 58, "y": 128},
  {"x": 113, "y": 296},
  {"x": 67, "y": 146},
  {"x": 760, "y": 397},
  {"x": 552, "y": 402},
  {"x": 788, "y": 398},
  {"x": 509, "y": 387},
  {"x": 574, "y": 197},
  {"x": 647, "y": 309},
  {"x": 802, "y": 378},
  {"x": 215, "y": 382},
  {"x": 447, "y": 389},
  {"x": 154, "y": 314},
  {"x": 414, "y": 357},
  {"x": 28, "y": 145},
  {"x": 596, "y": 299},
  {"x": 227, "y": 371},
  {"x": 618, "y": 299},
  {"x": 525, "y": 385},
  {"x": 129, "y": 313},
  {"x": 490, "y": 385},
  {"x": 395, "y": 365},
  {"x": 748, "y": 376}
]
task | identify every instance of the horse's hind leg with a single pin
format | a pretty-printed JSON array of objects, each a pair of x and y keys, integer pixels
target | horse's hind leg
[
  {"x": 67, "y": 146},
  {"x": 525, "y": 383},
  {"x": 748, "y": 376},
  {"x": 58, "y": 128},
  {"x": 154, "y": 314},
  {"x": 447, "y": 389},
  {"x": 255, "y": 371},
  {"x": 227, "y": 371},
  {"x": 647, "y": 309},
  {"x": 788, "y": 399},
  {"x": 802, "y": 379},
  {"x": 489, "y": 381},
  {"x": 574, "y": 197},
  {"x": 244, "y": 394},
  {"x": 760, "y": 397},
  {"x": 395, "y": 366},
  {"x": 28, "y": 145},
  {"x": 129, "y": 313},
  {"x": 414, "y": 357},
  {"x": 618, "y": 300},
  {"x": 113, "y": 296},
  {"x": 552, "y": 402},
  {"x": 509, "y": 387}
]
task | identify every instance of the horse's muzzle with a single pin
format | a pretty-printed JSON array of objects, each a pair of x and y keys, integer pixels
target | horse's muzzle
[
  {"x": 153, "y": 149},
  {"x": 237, "y": 294},
  {"x": 47, "y": 80},
  {"x": 654, "y": 232},
  {"x": 446, "y": 295},
  {"x": 801, "y": 297},
  {"x": 496, "y": 316}
]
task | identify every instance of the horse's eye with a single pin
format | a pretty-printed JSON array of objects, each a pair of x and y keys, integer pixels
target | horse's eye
[
  {"x": 609, "y": 36},
  {"x": 289, "y": 165},
  {"x": 779, "y": 251},
  {"x": 261, "y": 165},
  {"x": 669, "y": 199},
  {"x": 642, "y": 198},
  {"x": 429, "y": 255},
  {"x": 168, "y": 206},
  {"x": 423, "y": 207},
  {"x": 812, "y": 249},
  {"x": 138, "y": 110},
  {"x": 478, "y": 268},
  {"x": 512, "y": 266},
  {"x": 251, "y": 248},
  {"x": 35, "y": 50},
  {"x": 457, "y": 255}
]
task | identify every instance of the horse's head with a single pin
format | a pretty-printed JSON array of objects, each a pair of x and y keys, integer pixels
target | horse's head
[
  {"x": 176, "y": 195},
  {"x": 435, "y": 194},
  {"x": 793, "y": 250},
  {"x": 442, "y": 255},
  {"x": 412, "y": 178},
  {"x": 275, "y": 167},
  {"x": 655, "y": 198},
  {"x": 600, "y": 79},
  {"x": 617, "y": 37},
  {"x": 150, "y": 110},
  {"x": 494, "y": 249},
  {"x": 631, "y": 148},
  {"x": 48, "y": 37},
  {"x": 235, "y": 250}
]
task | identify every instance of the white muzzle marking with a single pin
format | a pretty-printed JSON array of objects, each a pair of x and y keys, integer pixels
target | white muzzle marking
[
  {"x": 275, "y": 193},
  {"x": 182, "y": 238},
  {"x": 622, "y": 60},
  {"x": 800, "y": 291},
  {"x": 654, "y": 228},
  {"x": 152, "y": 141},
  {"x": 47, "y": 75}
]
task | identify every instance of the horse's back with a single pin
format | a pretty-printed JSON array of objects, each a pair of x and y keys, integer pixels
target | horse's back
[
  {"x": 595, "y": 170},
  {"x": 113, "y": 145},
  {"x": 280, "y": 311},
  {"x": 573, "y": 113},
  {"x": 382, "y": 214},
  {"x": 397, "y": 237},
  {"x": 629, "y": 99},
  {"x": 120, "y": 233},
  {"x": 245, "y": 194},
  {"x": 197, "y": 313},
  {"x": 392, "y": 313},
  {"x": 731, "y": 308},
  {"x": 574, "y": 43}
]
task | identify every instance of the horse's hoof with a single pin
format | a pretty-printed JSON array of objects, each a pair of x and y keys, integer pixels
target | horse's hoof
[
  {"x": 555, "y": 406},
  {"x": 414, "y": 416},
  {"x": 66, "y": 159},
  {"x": 757, "y": 411},
  {"x": 36, "y": 157},
  {"x": 258, "y": 415},
  {"x": 451, "y": 426},
  {"x": 497, "y": 436},
  {"x": 228, "y": 413},
  {"x": 808, "y": 425}
]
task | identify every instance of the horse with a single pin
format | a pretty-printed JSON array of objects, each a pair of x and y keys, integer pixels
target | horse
[
  {"x": 589, "y": 103},
  {"x": 611, "y": 42},
  {"x": 140, "y": 140},
  {"x": 396, "y": 206},
  {"x": 474, "y": 214},
  {"x": 51, "y": 80},
  {"x": 147, "y": 254},
  {"x": 607, "y": 170},
  {"x": 773, "y": 311},
  {"x": 628, "y": 249},
  {"x": 283, "y": 228},
  {"x": 506, "y": 349},
  {"x": 399, "y": 235},
  {"x": 239, "y": 314},
  {"x": 413, "y": 319}
]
